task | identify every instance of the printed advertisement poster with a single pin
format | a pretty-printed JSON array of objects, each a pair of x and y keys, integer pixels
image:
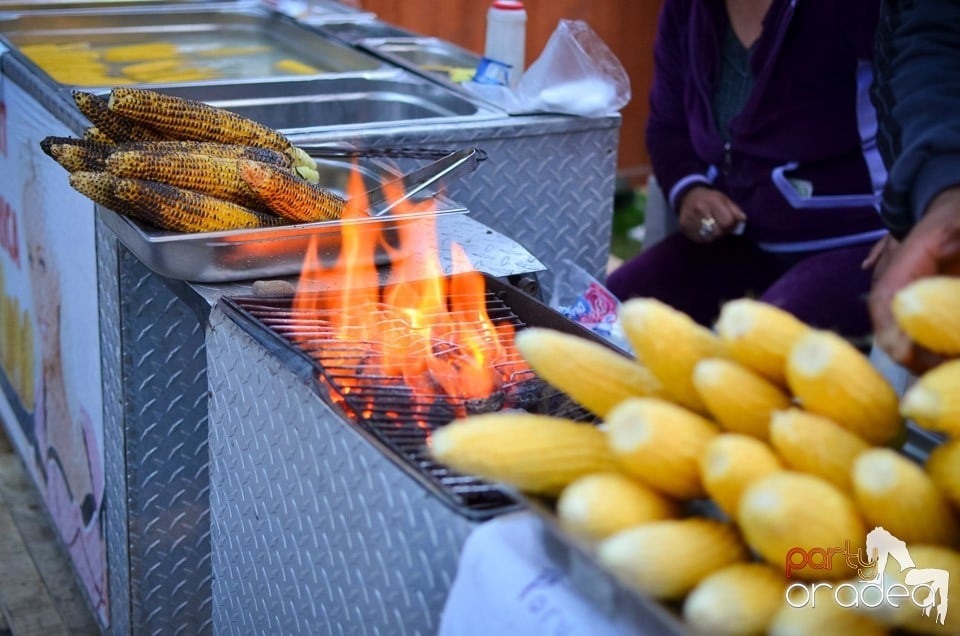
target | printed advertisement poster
[{"x": 51, "y": 396}]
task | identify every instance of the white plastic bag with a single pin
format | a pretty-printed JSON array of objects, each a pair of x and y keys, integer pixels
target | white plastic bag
[{"x": 576, "y": 74}]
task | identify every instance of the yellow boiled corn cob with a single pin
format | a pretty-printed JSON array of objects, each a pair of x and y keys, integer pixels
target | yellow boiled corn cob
[
  {"x": 290, "y": 196},
  {"x": 759, "y": 336},
  {"x": 216, "y": 176},
  {"x": 112, "y": 126},
  {"x": 893, "y": 492},
  {"x": 592, "y": 374},
  {"x": 534, "y": 453},
  {"x": 831, "y": 378},
  {"x": 816, "y": 445},
  {"x": 141, "y": 52},
  {"x": 144, "y": 71},
  {"x": 186, "y": 119},
  {"x": 786, "y": 510},
  {"x": 670, "y": 344},
  {"x": 738, "y": 600},
  {"x": 943, "y": 466},
  {"x": 77, "y": 154},
  {"x": 660, "y": 444},
  {"x": 172, "y": 208},
  {"x": 928, "y": 311},
  {"x": 287, "y": 65},
  {"x": 599, "y": 505},
  {"x": 740, "y": 400},
  {"x": 933, "y": 401},
  {"x": 667, "y": 559},
  {"x": 732, "y": 462}
]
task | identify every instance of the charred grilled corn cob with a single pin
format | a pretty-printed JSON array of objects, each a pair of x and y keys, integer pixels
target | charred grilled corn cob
[
  {"x": 111, "y": 126},
  {"x": 813, "y": 444},
  {"x": 592, "y": 374},
  {"x": 95, "y": 134},
  {"x": 77, "y": 155},
  {"x": 660, "y": 444},
  {"x": 667, "y": 559},
  {"x": 730, "y": 463},
  {"x": 186, "y": 119},
  {"x": 740, "y": 400},
  {"x": 289, "y": 196},
  {"x": 535, "y": 453},
  {"x": 738, "y": 600},
  {"x": 99, "y": 187},
  {"x": 934, "y": 401},
  {"x": 210, "y": 148},
  {"x": 759, "y": 336},
  {"x": 172, "y": 208},
  {"x": 670, "y": 344},
  {"x": 895, "y": 493},
  {"x": 215, "y": 176},
  {"x": 928, "y": 311},
  {"x": 831, "y": 378}
]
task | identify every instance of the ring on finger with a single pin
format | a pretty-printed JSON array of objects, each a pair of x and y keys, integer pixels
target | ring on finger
[{"x": 707, "y": 225}]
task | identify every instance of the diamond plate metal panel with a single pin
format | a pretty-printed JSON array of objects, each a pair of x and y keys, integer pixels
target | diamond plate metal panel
[
  {"x": 548, "y": 182},
  {"x": 313, "y": 529},
  {"x": 164, "y": 390},
  {"x": 118, "y": 564}
]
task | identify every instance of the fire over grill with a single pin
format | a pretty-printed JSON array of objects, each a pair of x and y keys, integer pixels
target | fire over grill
[{"x": 402, "y": 417}]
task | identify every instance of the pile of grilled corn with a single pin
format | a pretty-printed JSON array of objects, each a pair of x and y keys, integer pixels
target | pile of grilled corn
[
  {"x": 787, "y": 429},
  {"x": 186, "y": 166}
]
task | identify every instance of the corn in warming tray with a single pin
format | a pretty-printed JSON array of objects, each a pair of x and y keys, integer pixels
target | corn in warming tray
[
  {"x": 232, "y": 255},
  {"x": 225, "y": 43}
]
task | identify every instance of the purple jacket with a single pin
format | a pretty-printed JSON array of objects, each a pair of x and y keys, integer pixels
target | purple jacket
[{"x": 802, "y": 161}]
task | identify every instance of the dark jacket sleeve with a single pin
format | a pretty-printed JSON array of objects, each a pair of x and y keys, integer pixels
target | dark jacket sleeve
[
  {"x": 917, "y": 97},
  {"x": 668, "y": 136}
]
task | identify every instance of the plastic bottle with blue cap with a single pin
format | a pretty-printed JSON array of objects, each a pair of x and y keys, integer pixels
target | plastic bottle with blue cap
[{"x": 507, "y": 37}]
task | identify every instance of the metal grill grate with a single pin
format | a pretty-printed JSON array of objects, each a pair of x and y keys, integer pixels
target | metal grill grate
[{"x": 398, "y": 415}]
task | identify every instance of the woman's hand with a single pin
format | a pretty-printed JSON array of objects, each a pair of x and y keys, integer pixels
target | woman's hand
[
  {"x": 707, "y": 214},
  {"x": 932, "y": 248}
]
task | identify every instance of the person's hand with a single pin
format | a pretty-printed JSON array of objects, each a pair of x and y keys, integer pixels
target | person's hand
[
  {"x": 707, "y": 214},
  {"x": 932, "y": 248},
  {"x": 880, "y": 255}
]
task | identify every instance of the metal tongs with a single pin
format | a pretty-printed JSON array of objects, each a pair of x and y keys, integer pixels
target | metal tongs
[{"x": 436, "y": 172}]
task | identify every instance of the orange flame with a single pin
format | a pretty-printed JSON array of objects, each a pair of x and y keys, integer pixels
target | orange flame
[{"x": 430, "y": 329}]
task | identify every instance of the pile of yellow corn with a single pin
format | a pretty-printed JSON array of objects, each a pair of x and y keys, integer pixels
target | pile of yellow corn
[
  {"x": 183, "y": 165},
  {"x": 789, "y": 431}
]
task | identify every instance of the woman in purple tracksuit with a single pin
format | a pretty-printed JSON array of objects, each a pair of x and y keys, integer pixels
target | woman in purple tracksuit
[{"x": 761, "y": 133}]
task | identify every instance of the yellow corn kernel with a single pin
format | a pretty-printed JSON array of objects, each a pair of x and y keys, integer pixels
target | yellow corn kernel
[
  {"x": 933, "y": 401},
  {"x": 290, "y": 196},
  {"x": 943, "y": 466},
  {"x": 738, "y": 600},
  {"x": 785, "y": 511},
  {"x": 593, "y": 375},
  {"x": 534, "y": 453},
  {"x": 76, "y": 154},
  {"x": 740, "y": 400},
  {"x": 599, "y": 505},
  {"x": 670, "y": 344},
  {"x": 730, "y": 463},
  {"x": 667, "y": 559},
  {"x": 759, "y": 336},
  {"x": 216, "y": 176},
  {"x": 830, "y": 377},
  {"x": 140, "y": 52},
  {"x": 287, "y": 65},
  {"x": 186, "y": 119},
  {"x": 893, "y": 492},
  {"x": 660, "y": 444},
  {"x": 928, "y": 311},
  {"x": 816, "y": 445},
  {"x": 113, "y": 126}
]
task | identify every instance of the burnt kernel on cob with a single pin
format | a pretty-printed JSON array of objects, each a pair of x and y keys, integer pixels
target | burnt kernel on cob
[
  {"x": 180, "y": 118},
  {"x": 217, "y": 176},
  {"x": 111, "y": 126},
  {"x": 290, "y": 196},
  {"x": 77, "y": 154},
  {"x": 99, "y": 187}
]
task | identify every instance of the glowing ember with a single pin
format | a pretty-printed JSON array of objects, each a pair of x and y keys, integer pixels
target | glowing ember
[{"x": 431, "y": 330}]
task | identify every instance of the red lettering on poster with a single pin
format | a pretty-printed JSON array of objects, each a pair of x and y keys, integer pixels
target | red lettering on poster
[{"x": 9, "y": 240}]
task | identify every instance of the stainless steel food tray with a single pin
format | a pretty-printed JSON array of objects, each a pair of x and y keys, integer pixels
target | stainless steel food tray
[
  {"x": 353, "y": 29},
  {"x": 235, "y": 255},
  {"x": 432, "y": 56},
  {"x": 245, "y": 43}
]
